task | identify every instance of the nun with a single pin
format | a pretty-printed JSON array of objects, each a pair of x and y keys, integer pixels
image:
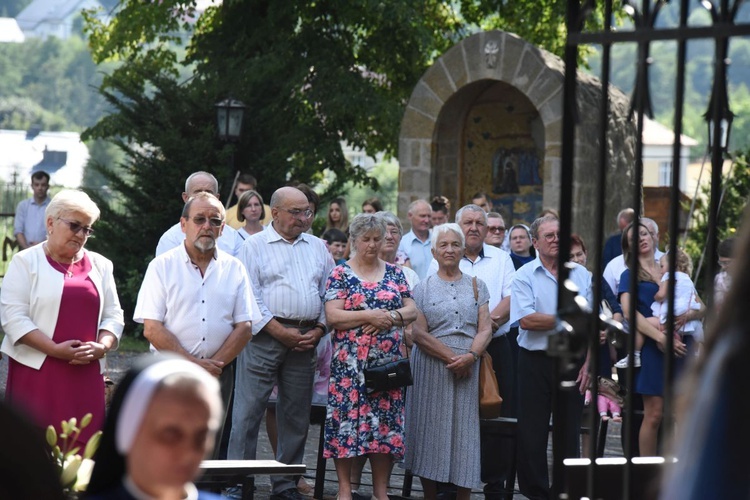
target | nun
[{"x": 161, "y": 425}]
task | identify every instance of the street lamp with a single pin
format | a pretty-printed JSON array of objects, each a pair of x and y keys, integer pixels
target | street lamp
[{"x": 229, "y": 114}]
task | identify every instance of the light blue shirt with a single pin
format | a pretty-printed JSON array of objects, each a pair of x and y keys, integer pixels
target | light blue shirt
[
  {"x": 495, "y": 268},
  {"x": 420, "y": 253},
  {"x": 29, "y": 220},
  {"x": 534, "y": 290}
]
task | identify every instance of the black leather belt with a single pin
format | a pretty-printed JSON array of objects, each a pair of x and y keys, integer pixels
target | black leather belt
[{"x": 297, "y": 323}]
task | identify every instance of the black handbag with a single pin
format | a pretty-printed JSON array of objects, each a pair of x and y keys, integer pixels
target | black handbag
[{"x": 388, "y": 376}]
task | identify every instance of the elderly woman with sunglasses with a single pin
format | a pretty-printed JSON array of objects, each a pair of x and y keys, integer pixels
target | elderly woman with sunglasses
[{"x": 60, "y": 313}]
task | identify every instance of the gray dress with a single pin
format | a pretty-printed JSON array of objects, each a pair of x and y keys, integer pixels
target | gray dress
[{"x": 442, "y": 412}]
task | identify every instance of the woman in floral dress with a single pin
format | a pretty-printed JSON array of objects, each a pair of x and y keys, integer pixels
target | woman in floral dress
[{"x": 367, "y": 304}]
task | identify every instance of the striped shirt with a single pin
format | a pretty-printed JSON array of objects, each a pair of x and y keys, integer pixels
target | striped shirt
[{"x": 289, "y": 279}]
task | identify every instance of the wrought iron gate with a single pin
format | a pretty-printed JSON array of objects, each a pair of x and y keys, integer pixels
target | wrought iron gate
[{"x": 719, "y": 116}]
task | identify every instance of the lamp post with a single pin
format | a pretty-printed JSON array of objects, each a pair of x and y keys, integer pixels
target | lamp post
[
  {"x": 229, "y": 115},
  {"x": 719, "y": 117}
]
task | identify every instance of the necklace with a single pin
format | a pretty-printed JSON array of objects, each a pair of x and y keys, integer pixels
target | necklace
[{"x": 66, "y": 272}]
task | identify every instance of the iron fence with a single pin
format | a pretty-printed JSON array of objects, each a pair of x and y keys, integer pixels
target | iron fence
[{"x": 644, "y": 32}]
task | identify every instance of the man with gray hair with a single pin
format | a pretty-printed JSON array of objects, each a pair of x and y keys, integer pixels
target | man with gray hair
[
  {"x": 653, "y": 228},
  {"x": 495, "y": 268},
  {"x": 196, "y": 300},
  {"x": 288, "y": 269},
  {"x": 200, "y": 182},
  {"x": 534, "y": 306},
  {"x": 416, "y": 243}
]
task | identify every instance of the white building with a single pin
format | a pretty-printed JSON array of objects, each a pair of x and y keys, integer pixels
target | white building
[
  {"x": 9, "y": 31},
  {"x": 61, "y": 154},
  {"x": 43, "y": 18},
  {"x": 658, "y": 142}
]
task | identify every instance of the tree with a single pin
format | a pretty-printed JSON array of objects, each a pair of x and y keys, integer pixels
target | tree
[
  {"x": 736, "y": 192},
  {"x": 312, "y": 74}
]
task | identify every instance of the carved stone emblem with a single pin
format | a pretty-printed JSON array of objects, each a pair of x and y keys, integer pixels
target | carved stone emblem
[{"x": 490, "y": 54}]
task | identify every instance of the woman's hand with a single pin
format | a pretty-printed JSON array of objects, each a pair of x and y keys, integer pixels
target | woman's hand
[
  {"x": 379, "y": 320},
  {"x": 461, "y": 365},
  {"x": 680, "y": 349},
  {"x": 73, "y": 351}
]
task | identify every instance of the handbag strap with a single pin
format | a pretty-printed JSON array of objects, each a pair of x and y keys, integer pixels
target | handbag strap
[{"x": 474, "y": 286}]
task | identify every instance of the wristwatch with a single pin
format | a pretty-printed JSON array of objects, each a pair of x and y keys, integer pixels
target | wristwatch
[{"x": 393, "y": 316}]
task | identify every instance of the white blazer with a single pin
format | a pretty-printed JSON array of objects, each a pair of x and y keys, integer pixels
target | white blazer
[{"x": 30, "y": 299}]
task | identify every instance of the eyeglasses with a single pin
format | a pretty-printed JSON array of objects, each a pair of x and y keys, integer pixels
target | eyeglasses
[
  {"x": 550, "y": 237},
  {"x": 298, "y": 214},
  {"x": 213, "y": 221},
  {"x": 496, "y": 229},
  {"x": 76, "y": 228}
]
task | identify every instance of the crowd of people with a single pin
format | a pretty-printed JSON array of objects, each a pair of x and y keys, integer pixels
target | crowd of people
[{"x": 261, "y": 318}]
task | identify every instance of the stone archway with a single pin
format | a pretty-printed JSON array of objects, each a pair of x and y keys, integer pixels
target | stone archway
[{"x": 517, "y": 90}]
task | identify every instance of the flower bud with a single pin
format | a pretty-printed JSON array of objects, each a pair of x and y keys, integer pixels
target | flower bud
[{"x": 51, "y": 436}]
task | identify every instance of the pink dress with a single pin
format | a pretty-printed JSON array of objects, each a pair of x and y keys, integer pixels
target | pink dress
[{"x": 58, "y": 390}]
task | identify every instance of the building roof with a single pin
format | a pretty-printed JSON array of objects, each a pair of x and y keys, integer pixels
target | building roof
[
  {"x": 656, "y": 134},
  {"x": 61, "y": 154},
  {"x": 9, "y": 31}
]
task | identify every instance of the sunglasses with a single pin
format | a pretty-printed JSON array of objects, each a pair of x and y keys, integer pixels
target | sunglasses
[
  {"x": 496, "y": 229},
  {"x": 76, "y": 228},
  {"x": 214, "y": 221}
]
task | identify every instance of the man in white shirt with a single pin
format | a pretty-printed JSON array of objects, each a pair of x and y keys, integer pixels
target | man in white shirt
[
  {"x": 416, "y": 243},
  {"x": 288, "y": 269},
  {"x": 29, "y": 223},
  {"x": 495, "y": 268},
  {"x": 196, "y": 300},
  {"x": 200, "y": 182},
  {"x": 534, "y": 306}
]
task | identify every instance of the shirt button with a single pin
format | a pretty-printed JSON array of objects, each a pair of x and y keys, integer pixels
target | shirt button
[
  {"x": 203, "y": 301},
  {"x": 204, "y": 319}
]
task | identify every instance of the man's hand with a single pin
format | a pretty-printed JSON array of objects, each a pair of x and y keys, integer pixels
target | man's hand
[
  {"x": 210, "y": 365},
  {"x": 584, "y": 378},
  {"x": 309, "y": 339},
  {"x": 288, "y": 336}
]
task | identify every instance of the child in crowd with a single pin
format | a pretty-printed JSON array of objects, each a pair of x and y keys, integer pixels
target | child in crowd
[
  {"x": 336, "y": 241},
  {"x": 685, "y": 298}
]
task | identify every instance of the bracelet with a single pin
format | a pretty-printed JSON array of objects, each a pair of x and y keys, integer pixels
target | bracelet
[
  {"x": 403, "y": 323},
  {"x": 322, "y": 327},
  {"x": 476, "y": 356}
]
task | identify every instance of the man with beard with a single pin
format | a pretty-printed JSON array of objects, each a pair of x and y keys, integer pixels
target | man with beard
[
  {"x": 534, "y": 306},
  {"x": 288, "y": 269},
  {"x": 196, "y": 299}
]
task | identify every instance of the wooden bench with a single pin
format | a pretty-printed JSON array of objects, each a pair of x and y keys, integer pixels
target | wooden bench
[{"x": 219, "y": 474}]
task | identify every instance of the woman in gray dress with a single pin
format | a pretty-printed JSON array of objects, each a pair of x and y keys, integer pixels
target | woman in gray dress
[{"x": 451, "y": 331}]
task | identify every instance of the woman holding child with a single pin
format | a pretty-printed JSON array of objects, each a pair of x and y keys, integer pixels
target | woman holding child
[{"x": 650, "y": 381}]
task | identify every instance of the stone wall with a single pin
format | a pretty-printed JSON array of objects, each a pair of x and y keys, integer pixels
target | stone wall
[{"x": 430, "y": 144}]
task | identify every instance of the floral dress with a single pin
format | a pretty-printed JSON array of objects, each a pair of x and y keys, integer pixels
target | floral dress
[{"x": 358, "y": 423}]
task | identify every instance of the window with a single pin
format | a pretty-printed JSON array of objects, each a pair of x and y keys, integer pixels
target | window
[{"x": 665, "y": 173}]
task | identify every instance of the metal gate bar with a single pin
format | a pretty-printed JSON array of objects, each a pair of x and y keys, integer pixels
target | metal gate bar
[{"x": 721, "y": 30}]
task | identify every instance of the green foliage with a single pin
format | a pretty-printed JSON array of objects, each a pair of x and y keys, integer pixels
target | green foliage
[
  {"x": 736, "y": 191},
  {"x": 698, "y": 76}
]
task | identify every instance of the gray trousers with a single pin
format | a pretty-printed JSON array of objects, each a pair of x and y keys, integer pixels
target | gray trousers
[{"x": 263, "y": 363}]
